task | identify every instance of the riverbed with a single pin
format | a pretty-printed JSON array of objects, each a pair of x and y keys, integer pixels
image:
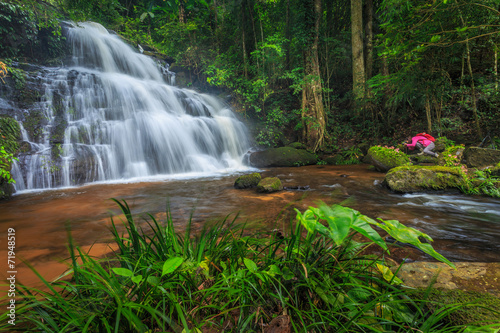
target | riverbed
[{"x": 464, "y": 228}]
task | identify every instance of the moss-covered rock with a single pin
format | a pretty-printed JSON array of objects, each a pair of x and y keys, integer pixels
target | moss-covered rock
[
  {"x": 422, "y": 178},
  {"x": 475, "y": 157},
  {"x": 269, "y": 185},
  {"x": 282, "y": 157},
  {"x": 6, "y": 189},
  {"x": 247, "y": 181},
  {"x": 297, "y": 145},
  {"x": 384, "y": 159}
]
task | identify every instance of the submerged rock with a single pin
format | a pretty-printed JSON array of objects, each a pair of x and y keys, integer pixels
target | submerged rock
[
  {"x": 421, "y": 178},
  {"x": 282, "y": 157},
  {"x": 247, "y": 181},
  {"x": 269, "y": 185}
]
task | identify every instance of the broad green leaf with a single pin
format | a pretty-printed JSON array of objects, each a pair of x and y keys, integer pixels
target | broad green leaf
[
  {"x": 273, "y": 271},
  {"x": 308, "y": 220},
  {"x": 153, "y": 280},
  {"x": 361, "y": 225},
  {"x": 251, "y": 265},
  {"x": 408, "y": 235},
  {"x": 171, "y": 265},
  {"x": 339, "y": 221},
  {"x": 137, "y": 279},
  {"x": 123, "y": 271}
]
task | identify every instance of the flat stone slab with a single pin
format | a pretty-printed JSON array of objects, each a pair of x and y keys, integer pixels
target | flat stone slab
[{"x": 469, "y": 276}]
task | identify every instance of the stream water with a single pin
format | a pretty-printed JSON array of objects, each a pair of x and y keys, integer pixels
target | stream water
[{"x": 464, "y": 228}]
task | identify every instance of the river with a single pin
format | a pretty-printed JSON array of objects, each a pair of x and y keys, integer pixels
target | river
[{"x": 464, "y": 228}]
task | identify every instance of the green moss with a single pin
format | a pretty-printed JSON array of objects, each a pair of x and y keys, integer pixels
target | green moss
[
  {"x": 10, "y": 133},
  {"x": 477, "y": 308},
  {"x": 282, "y": 157},
  {"x": 269, "y": 184},
  {"x": 385, "y": 159},
  {"x": 247, "y": 181},
  {"x": 34, "y": 125},
  {"x": 297, "y": 145},
  {"x": 421, "y": 178}
]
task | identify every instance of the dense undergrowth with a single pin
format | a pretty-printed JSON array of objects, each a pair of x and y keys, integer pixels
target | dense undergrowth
[{"x": 315, "y": 278}]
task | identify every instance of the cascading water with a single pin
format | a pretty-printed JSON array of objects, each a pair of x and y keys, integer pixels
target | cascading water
[{"x": 111, "y": 116}]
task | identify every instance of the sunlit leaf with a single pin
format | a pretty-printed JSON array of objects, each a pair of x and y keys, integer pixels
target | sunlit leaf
[
  {"x": 251, "y": 265},
  {"x": 388, "y": 275},
  {"x": 123, "y": 271},
  {"x": 137, "y": 279},
  {"x": 411, "y": 236},
  {"x": 171, "y": 265}
]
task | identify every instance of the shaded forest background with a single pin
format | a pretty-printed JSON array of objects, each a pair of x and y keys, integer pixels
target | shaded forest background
[{"x": 328, "y": 73}]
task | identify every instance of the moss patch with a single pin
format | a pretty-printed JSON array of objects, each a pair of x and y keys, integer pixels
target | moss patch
[
  {"x": 384, "y": 159},
  {"x": 476, "y": 308},
  {"x": 10, "y": 133},
  {"x": 269, "y": 185},
  {"x": 421, "y": 178},
  {"x": 282, "y": 157},
  {"x": 247, "y": 181}
]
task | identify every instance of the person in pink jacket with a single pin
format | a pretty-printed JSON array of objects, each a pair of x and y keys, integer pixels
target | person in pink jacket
[{"x": 425, "y": 145}]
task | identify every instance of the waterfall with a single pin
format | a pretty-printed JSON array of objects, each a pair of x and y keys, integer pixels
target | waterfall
[{"x": 111, "y": 115}]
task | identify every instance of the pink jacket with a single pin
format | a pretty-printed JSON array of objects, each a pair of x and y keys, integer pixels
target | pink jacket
[{"x": 422, "y": 139}]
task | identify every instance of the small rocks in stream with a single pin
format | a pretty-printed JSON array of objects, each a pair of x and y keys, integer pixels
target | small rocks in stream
[{"x": 297, "y": 188}]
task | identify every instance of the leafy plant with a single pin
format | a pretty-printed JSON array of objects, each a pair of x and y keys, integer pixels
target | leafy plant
[
  {"x": 6, "y": 160},
  {"x": 224, "y": 279}
]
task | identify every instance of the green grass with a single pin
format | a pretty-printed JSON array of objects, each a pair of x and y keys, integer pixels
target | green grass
[{"x": 221, "y": 278}]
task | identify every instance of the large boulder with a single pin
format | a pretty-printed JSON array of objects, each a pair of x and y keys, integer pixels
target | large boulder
[
  {"x": 247, "y": 181},
  {"x": 6, "y": 189},
  {"x": 282, "y": 157},
  {"x": 269, "y": 185},
  {"x": 384, "y": 159},
  {"x": 421, "y": 178},
  {"x": 475, "y": 157}
]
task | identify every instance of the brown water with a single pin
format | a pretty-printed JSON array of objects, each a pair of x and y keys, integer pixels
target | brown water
[{"x": 464, "y": 228}]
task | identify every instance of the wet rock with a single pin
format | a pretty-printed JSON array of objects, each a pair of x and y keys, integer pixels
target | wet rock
[
  {"x": 6, "y": 189},
  {"x": 475, "y": 157},
  {"x": 282, "y": 157},
  {"x": 384, "y": 159},
  {"x": 269, "y": 185},
  {"x": 469, "y": 276},
  {"x": 247, "y": 181},
  {"x": 420, "y": 178}
]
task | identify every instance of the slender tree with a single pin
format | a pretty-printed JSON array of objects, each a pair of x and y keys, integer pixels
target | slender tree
[
  {"x": 313, "y": 111},
  {"x": 358, "y": 63}
]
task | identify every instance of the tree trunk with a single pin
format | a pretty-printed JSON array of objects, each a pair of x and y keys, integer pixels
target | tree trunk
[
  {"x": 287, "y": 36},
  {"x": 358, "y": 65},
  {"x": 473, "y": 87},
  {"x": 313, "y": 112},
  {"x": 369, "y": 38},
  {"x": 428, "y": 113},
  {"x": 243, "y": 42},
  {"x": 495, "y": 64},
  {"x": 182, "y": 12}
]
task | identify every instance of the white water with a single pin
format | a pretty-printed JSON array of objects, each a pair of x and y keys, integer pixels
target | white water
[{"x": 111, "y": 116}]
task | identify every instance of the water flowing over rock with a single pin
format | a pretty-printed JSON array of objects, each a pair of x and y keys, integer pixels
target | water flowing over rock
[{"x": 110, "y": 114}]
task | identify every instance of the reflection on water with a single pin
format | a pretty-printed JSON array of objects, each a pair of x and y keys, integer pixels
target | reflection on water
[{"x": 464, "y": 228}]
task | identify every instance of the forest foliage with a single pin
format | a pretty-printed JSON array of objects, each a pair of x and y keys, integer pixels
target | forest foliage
[{"x": 290, "y": 66}]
